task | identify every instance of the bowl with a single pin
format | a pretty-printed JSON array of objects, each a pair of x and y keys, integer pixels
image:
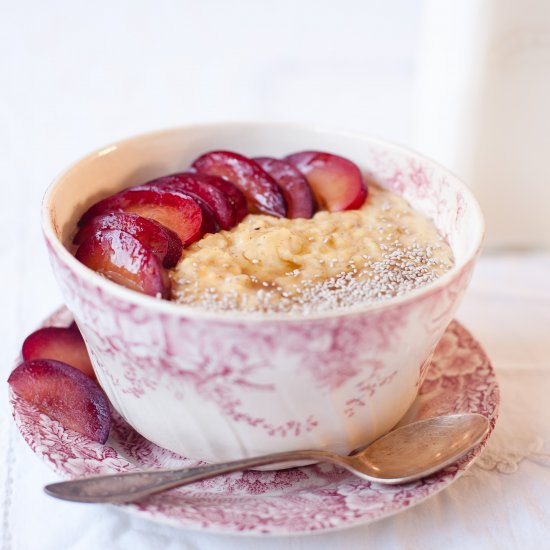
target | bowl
[{"x": 216, "y": 386}]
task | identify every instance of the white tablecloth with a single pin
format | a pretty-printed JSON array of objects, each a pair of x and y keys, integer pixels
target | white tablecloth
[{"x": 502, "y": 502}]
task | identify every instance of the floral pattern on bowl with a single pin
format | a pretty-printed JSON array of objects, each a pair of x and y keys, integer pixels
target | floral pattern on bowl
[
  {"x": 229, "y": 385},
  {"x": 293, "y": 501}
]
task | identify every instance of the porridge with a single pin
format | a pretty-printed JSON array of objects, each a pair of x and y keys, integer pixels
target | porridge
[
  {"x": 335, "y": 259},
  {"x": 302, "y": 234}
]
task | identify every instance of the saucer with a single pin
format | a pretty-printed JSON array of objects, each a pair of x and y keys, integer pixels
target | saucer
[{"x": 309, "y": 499}]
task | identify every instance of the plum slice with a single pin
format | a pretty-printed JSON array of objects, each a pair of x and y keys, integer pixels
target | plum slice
[
  {"x": 60, "y": 343},
  {"x": 163, "y": 242},
  {"x": 336, "y": 182},
  {"x": 65, "y": 394},
  {"x": 198, "y": 185},
  {"x": 209, "y": 220},
  {"x": 121, "y": 258},
  {"x": 294, "y": 185},
  {"x": 261, "y": 190},
  {"x": 176, "y": 211},
  {"x": 233, "y": 193}
]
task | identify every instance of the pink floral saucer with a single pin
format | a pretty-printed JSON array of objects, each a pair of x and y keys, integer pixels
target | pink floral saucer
[{"x": 295, "y": 501}]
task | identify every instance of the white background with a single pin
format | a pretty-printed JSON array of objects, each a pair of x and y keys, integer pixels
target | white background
[{"x": 77, "y": 75}]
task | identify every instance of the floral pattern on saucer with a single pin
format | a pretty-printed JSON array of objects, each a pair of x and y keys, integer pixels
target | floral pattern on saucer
[{"x": 294, "y": 501}]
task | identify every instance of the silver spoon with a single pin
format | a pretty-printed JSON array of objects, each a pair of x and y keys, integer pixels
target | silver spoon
[{"x": 405, "y": 454}]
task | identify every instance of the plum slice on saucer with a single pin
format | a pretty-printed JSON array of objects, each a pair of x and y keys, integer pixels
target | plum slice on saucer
[
  {"x": 123, "y": 259},
  {"x": 163, "y": 242},
  {"x": 63, "y": 344},
  {"x": 293, "y": 184},
  {"x": 65, "y": 394},
  {"x": 336, "y": 182},
  {"x": 261, "y": 190}
]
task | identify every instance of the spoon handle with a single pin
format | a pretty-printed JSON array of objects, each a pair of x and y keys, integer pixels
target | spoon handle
[{"x": 130, "y": 486}]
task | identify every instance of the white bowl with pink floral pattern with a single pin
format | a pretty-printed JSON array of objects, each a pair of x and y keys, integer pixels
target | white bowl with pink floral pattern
[{"x": 217, "y": 386}]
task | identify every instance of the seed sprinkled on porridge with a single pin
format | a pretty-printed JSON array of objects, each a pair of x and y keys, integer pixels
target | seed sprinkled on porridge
[{"x": 332, "y": 261}]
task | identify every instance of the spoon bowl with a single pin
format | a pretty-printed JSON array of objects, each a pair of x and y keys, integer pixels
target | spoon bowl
[
  {"x": 403, "y": 455},
  {"x": 418, "y": 449}
]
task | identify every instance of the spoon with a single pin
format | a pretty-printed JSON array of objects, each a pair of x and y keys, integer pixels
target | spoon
[{"x": 405, "y": 454}]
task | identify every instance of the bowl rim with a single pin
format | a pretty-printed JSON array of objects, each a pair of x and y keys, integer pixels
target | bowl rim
[{"x": 168, "y": 307}]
